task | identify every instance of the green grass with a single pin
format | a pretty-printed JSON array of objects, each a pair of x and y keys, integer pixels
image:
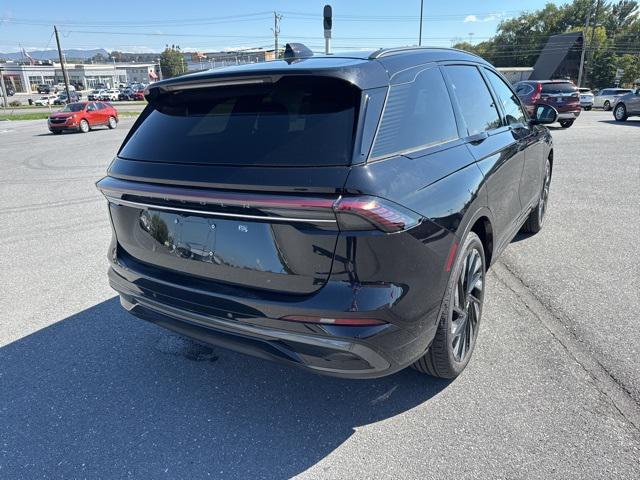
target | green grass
[{"x": 45, "y": 115}]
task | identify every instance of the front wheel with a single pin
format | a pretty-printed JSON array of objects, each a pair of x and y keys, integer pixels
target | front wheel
[
  {"x": 587, "y": 108},
  {"x": 460, "y": 314},
  {"x": 620, "y": 112},
  {"x": 606, "y": 106},
  {"x": 566, "y": 123},
  {"x": 536, "y": 217},
  {"x": 84, "y": 126},
  {"x": 112, "y": 123}
]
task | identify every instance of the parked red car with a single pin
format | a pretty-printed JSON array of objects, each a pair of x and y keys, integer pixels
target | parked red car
[
  {"x": 82, "y": 117},
  {"x": 138, "y": 95},
  {"x": 562, "y": 95}
]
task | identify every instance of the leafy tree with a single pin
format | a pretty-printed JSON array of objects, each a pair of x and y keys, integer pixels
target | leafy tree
[
  {"x": 172, "y": 62},
  {"x": 611, "y": 41}
]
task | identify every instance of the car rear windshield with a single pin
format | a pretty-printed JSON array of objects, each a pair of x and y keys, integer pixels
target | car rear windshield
[
  {"x": 559, "y": 87},
  {"x": 296, "y": 121}
]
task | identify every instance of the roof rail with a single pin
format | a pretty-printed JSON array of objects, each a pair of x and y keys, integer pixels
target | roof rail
[{"x": 385, "y": 52}]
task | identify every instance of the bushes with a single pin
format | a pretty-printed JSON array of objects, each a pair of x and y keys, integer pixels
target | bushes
[{"x": 15, "y": 103}]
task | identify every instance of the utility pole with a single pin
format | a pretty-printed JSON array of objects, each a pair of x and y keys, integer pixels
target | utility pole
[
  {"x": 64, "y": 69},
  {"x": 591, "y": 44},
  {"x": 276, "y": 32},
  {"x": 420, "y": 34},
  {"x": 584, "y": 46},
  {"x": 4, "y": 89}
]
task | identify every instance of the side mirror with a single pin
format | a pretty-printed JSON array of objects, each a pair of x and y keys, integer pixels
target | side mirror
[{"x": 544, "y": 115}]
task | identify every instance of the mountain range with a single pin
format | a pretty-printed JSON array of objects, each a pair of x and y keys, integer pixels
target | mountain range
[{"x": 71, "y": 54}]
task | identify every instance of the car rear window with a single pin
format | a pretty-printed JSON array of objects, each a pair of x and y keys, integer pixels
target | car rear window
[
  {"x": 296, "y": 121},
  {"x": 559, "y": 87}
]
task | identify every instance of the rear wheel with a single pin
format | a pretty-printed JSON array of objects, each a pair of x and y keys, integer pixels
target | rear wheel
[
  {"x": 566, "y": 123},
  {"x": 460, "y": 314},
  {"x": 587, "y": 108},
  {"x": 112, "y": 123},
  {"x": 620, "y": 112},
  {"x": 536, "y": 217},
  {"x": 84, "y": 126},
  {"x": 606, "y": 105}
]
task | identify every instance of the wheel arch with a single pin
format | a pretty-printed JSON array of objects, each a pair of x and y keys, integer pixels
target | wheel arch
[{"x": 481, "y": 224}]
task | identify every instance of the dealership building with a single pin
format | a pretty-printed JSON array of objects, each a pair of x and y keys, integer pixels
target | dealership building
[{"x": 26, "y": 78}]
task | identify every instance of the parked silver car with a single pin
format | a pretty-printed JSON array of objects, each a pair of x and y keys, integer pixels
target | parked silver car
[
  {"x": 607, "y": 97},
  {"x": 627, "y": 106},
  {"x": 586, "y": 98}
]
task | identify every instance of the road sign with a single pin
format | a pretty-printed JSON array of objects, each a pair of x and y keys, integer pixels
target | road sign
[{"x": 327, "y": 20}]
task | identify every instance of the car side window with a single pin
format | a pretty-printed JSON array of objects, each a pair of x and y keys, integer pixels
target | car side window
[
  {"x": 91, "y": 107},
  {"x": 417, "y": 114},
  {"x": 100, "y": 106},
  {"x": 476, "y": 104},
  {"x": 510, "y": 105}
]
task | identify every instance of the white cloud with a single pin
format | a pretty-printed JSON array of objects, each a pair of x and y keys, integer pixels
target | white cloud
[{"x": 488, "y": 18}]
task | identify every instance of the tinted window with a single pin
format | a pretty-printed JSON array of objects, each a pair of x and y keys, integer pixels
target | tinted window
[
  {"x": 101, "y": 106},
  {"x": 560, "y": 87},
  {"x": 294, "y": 121},
  {"x": 417, "y": 114},
  {"x": 508, "y": 100},
  {"x": 475, "y": 101}
]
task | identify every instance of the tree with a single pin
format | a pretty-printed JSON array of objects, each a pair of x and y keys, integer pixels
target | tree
[
  {"x": 172, "y": 62},
  {"x": 611, "y": 41}
]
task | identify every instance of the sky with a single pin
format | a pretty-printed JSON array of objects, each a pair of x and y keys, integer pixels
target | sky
[{"x": 144, "y": 26}]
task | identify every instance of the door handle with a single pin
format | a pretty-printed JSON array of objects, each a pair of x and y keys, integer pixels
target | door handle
[{"x": 477, "y": 138}]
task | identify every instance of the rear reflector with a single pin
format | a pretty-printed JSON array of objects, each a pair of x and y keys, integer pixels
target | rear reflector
[{"x": 354, "y": 322}]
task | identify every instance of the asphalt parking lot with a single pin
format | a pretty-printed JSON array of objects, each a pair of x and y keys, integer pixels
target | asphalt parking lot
[{"x": 86, "y": 391}]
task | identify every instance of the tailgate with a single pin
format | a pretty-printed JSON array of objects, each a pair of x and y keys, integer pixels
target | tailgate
[{"x": 270, "y": 241}]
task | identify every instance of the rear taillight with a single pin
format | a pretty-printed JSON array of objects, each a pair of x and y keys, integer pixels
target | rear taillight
[
  {"x": 353, "y": 322},
  {"x": 536, "y": 95},
  {"x": 350, "y": 213},
  {"x": 368, "y": 213}
]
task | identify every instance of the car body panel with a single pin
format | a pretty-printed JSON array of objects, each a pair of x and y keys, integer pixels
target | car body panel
[{"x": 284, "y": 267}]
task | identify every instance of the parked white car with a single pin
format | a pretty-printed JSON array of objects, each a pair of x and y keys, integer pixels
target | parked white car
[
  {"x": 96, "y": 94},
  {"x": 608, "y": 97},
  {"x": 45, "y": 100},
  {"x": 110, "y": 95},
  {"x": 586, "y": 98}
]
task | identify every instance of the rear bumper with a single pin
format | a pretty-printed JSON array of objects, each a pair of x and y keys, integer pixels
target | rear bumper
[
  {"x": 568, "y": 115},
  {"x": 252, "y": 325}
]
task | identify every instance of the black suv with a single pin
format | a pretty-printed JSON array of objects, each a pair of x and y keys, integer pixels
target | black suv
[{"x": 332, "y": 212}]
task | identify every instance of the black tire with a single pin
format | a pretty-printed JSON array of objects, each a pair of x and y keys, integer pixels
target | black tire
[
  {"x": 536, "y": 217},
  {"x": 620, "y": 113},
  {"x": 112, "y": 123},
  {"x": 84, "y": 126},
  {"x": 587, "y": 108},
  {"x": 566, "y": 123},
  {"x": 606, "y": 105},
  {"x": 447, "y": 358}
]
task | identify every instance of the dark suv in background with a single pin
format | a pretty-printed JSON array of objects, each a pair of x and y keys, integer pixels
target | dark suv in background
[
  {"x": 336, "y": 213},
  {"x": 563, "y": 95}
]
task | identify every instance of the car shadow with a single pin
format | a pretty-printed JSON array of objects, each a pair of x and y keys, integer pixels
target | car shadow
[
  {"x": 632, "y": 122},
  {"x": 101, "y": 393}
]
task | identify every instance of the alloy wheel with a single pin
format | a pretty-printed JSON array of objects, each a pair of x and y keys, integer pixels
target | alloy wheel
[
  {"x": 468, "y": 296},
  {"x": 619, "y": 112},
  {"x": 544, "y": 195}
]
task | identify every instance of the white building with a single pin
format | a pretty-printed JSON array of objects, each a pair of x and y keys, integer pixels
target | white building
[{"x": 26, "y": 78}]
